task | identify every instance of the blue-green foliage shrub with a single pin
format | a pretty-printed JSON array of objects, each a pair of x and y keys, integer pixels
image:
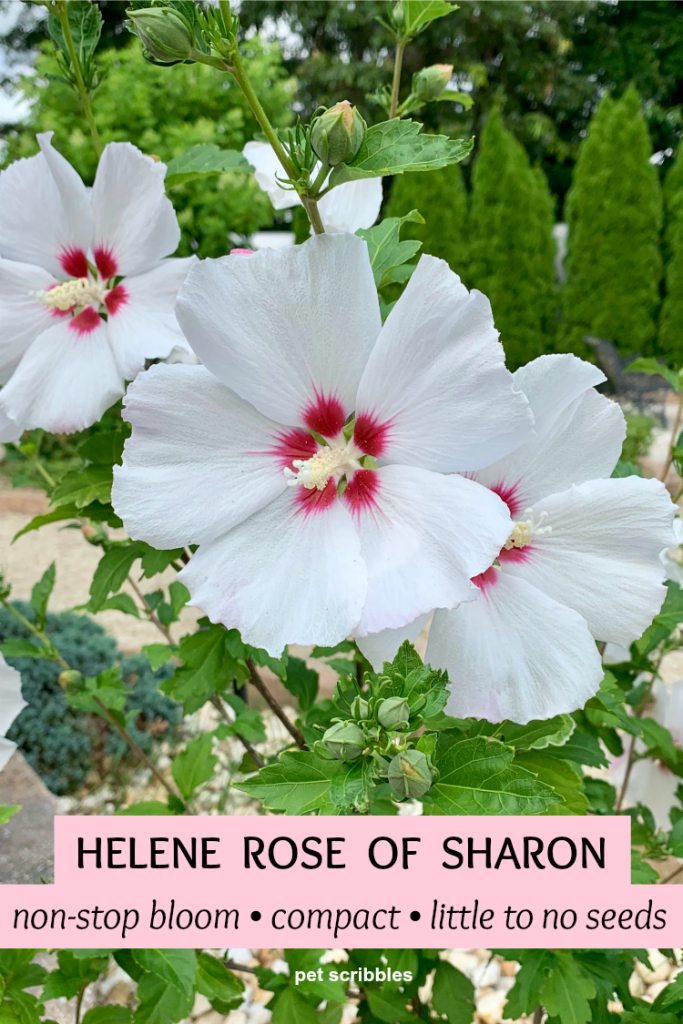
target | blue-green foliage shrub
[{"x": 56, "y": 739}]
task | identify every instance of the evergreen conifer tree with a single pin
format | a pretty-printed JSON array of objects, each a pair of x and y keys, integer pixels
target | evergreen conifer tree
[
  {"x": 670, "y": 341},
  {"x": 614, "y": 209},
  {"x": 441, "y": 197},
  {"x": 511, "y": 244}
]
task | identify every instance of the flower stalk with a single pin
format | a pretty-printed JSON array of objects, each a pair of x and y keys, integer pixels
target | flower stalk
[{"x": 63, "y": 15}]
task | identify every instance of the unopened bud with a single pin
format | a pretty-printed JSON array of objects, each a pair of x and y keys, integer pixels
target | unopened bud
[
  {"x": 397, "y": 14},
  {"x": 165, "y": 34},
  {"x": 70, "y": 680},
  {"x": 337, "y": 135},
  {"x": 360, "y": 708},
  {"x": 345, "y": 741},
  {"x": 393, "y": 713},
  {"x": 409, "y": 774},
  {"x": 430, "y": 83}
]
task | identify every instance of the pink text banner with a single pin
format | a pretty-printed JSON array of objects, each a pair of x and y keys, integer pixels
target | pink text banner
[{"x": 137, "y": 882}]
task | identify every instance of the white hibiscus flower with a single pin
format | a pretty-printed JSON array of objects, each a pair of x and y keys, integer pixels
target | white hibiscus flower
[
  {"x": 85, "y": 294},
  {"x": 256, "y": 456},
  {"x": 11, "y": 703},
  {"x": 651, "y": 782},
  {"x": 346, "y": 208},
  {"x": 581, "y": 564}
]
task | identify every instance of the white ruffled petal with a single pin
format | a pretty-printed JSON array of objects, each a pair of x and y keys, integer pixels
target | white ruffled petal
[
  {"x": 289, "y": 330},
  {"x": 22, "y": 314},
  {"x": 197, "y": 461},
  {"x": 436, "y": 393},
  {"x": 142, "y": 320},
  {"x": 424, "y": 536},
  {"x": 11, "y": 701},
  {"x": 283, "y": 576},
  {"x": 351, "y": 206},
  {"x": 578, "y": 433},
  {"x": 514, "y": 653},
  {"x": 381, "y": 647},
  {"x": 135, "y": 223},
  {"x": 602, "y": 557},
  {"x": 9, "y": 429},
  {"x": 46, "y": 214},
  {"x": 65, "y": 381},
  {"x": 267, "y": 171}
]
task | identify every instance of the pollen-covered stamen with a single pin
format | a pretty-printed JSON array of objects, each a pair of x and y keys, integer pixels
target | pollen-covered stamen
[
  {"x": 81, "y": 291},
  {"x": 525, "y": 530},
  {"x": 315, "y": 472}
]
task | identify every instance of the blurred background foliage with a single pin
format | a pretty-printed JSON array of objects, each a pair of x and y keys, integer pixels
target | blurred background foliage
[{"x": 578, "y": 118}]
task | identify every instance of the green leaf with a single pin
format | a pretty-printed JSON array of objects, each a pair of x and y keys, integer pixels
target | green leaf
[
  {"x": 393, "y": 147},
  {"x": 567, "y": 991},
  {"x": 350, "y": 786},
  {"x": 153, "y": 562},
  {"x": 22, "y": 649},
  {"x": 158, "y": 654},
  {"x": 561, "y": 776},
  {"x": 581, "y": 748},
  {"x": 85, "y": 22},
  {"x": 417, "y": 14},
  {"x": 477, "y": 777},
  {"x": 248, "y": 721},
  {"x": 641, "y": 873},
  {"x": 40, "y": 595},
  {"x": 208, "y": 665},
  {"x": 179, "y": 595},
  {"x": 302, "y": 682},
  {"x": 216, "y": 982},
  {"x": 385, "y": 248},
  {"x": 57, "y": 515},
  {"x": 297, "y": 784},
  {"x": 195, "y": 765},
  {"x": 147, "y": 807},
  {"x": 112, "y": 570},
  {"x": 73, "y": 973},
  {"x": 107, "y": 1015},
  {"x": 198, "y": 161},
  {"x": 106, "y": 447},
  {"x": 176, "y": 966},
  {"x": 539, "y": 734},
  {"x": 389, "y": 1007},
  {"x": 653, "y": 368},
  {"x": 453, "y": 994},
  {"x": 121, "y": 603},
  {"x": 623, "y": 469},
  {"x": 292, "y": 1008},
  {"x": 8, "y": 811},
  {"x": 309, "y": 960},
  {"x": 162, "y": 1002},
  {"x": 525, "y": 996},
  {"x": 81, "y": 486}
]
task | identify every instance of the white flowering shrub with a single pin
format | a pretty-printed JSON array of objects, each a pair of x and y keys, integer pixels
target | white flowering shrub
[{"x": 324, "y": 464}]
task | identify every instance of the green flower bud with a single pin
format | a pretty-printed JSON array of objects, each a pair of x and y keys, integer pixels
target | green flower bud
[
  {"x": 70, "y": 680},
  {"x": 409, "y": 774},
  {"x": 337, "y": 135},
  {"x": 393, "y": 712},
  {"x": 345, "y": 741},
  {"x": 397, "y": 13},
  {"x": 360, "y": 708},
  {"x": 429, "y": 83},
  {"x": 165, "y": 34}
]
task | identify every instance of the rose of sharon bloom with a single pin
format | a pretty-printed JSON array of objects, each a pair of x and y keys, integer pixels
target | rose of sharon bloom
[
  {"x": 85, "y": 294},
  {"x": 265, "y": 455},
  {"x": 651, "y": 782},
  {"x": 581, "y": 564},
  {"x": 348, "y": 207},
  {"x": 11, "y": 703}
]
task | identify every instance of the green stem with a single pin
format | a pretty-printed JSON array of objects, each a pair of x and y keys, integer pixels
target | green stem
[
  {"x": 672, "y": 442},
  {"x": 240, "y": 76},
  {"x": 311, "y": 207},
  {"x": 63, "y": 15},
  {"x": 320, "y": 179},
  {"x": 396, "y": 84},
  {"x": 256, "y": 681},
  {"x": 104, "y": 710},
  {"x": 79, "y": 1002}
]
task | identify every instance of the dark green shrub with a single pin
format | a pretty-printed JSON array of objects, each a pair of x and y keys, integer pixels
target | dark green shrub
[
  {"x": 614, "y": 209},
  {"x": 511, "y": 244},
  {"x": 670, "y": 340},
  {"x": 441, "y": 198},
  {"x": 56, "y": 739}
]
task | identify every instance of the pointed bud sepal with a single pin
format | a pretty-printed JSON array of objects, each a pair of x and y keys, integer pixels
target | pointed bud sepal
[
  {"x": 345, "y": 741},
  {"x": 393, "y": 713},
  {"x": 410, "y": 775},
  {"x": 337, "y": 134},
  {"x": 430, "y": 83},
  {"x": 71, "y": 680},
  {"x": 167, "y": 37},
  {"x": 360, "y": 709}
]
